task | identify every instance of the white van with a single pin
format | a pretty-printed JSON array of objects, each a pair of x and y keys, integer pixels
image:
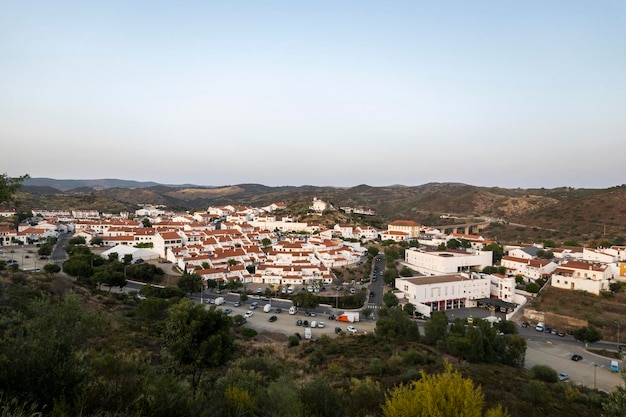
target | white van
[
  {"x": 293, "y": 310},
  {"x": 313, "y": 324},
  {"x": 540, "y": 326}
]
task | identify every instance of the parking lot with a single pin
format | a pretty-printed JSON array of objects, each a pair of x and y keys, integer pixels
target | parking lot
[
  {"x": 25, "y": 256},
  {"x": 286, "y": 323}
]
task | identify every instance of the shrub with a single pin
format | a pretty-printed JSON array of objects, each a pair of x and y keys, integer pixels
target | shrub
[
  {"x": 543, "y": 373},
  {"x": 248, "y": 332}
]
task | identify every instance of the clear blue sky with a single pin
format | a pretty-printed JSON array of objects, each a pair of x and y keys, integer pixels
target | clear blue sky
[{"x": 491, "y": 93}]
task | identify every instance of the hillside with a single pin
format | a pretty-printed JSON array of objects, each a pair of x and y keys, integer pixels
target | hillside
[{"x": 528, "y": 214}]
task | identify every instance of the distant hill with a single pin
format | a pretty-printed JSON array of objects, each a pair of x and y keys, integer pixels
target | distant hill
[
  {"x": 528, "y": 215},
  {"x": 99, "y": 184}
]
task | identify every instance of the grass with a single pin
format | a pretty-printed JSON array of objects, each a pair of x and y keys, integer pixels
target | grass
[{"x": 601, "y": 312}]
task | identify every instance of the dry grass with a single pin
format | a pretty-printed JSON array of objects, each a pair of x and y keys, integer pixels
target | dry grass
[{"x": 599, "y": 311}]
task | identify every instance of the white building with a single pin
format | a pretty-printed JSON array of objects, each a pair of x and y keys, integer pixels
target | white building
[
  {"x": 530, "y": 269},
  {"x": 444, "y": 292},
  {"x": 583, "y": 276},
  {"x": 434, "y": 262}
]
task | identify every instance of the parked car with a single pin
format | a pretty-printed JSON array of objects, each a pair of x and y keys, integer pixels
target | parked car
[
  {"x": 321, "y": 324},
  {"x": 305, "y": 323},
  {"x": 237, "y": 303},
  {"x": 561, "y": 334},
  {"x": 338, "y": 330},
  {"x": 253, "y": 305},
  {"x": 248, "y": 314},
  {"x": 273, "y": 319},
  {"x": 279, "y": 310},
  {"x": 228, "y": 310},
  {"x": 296, "y": 334},
  {"x": 139, "y": 261},
  {"x": 331, "y": 317},
  {"x": 563, "y": 377},
  {"x": 525, "y": 324},
  {"x": 577, "y": 358},
  {"x": 351, "y": 329},
  {"x": 298, "y": 322}
]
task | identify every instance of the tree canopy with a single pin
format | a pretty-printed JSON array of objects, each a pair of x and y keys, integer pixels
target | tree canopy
[{"x": 9, "y": 186}]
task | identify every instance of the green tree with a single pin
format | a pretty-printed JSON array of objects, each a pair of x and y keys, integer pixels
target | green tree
[
  {"x": 51, "y": 269},
  {"x": 305, "y": 300},
  {"x": 571, "y": 243},
  {"x": 9, "y": 186},
  {"x": 266, "y": 242},
  {"x": 77, "y": 240},
  {"x": 389, "y": 276},
  {"x": 197, "y": 338},
  {"x": 145, "y": 222},
  {"x": 496, "y": 249},
  {"x": 587, "y": 334},
  {"x": 436, "y": 328},
  {"x": 532, "y": 288},
  {"x": 409, "y": 309},
  {"x": 390, "y": 300},
  {"x": 436, "y": 395},
  {"x": 372, "y": 251},
  {"x": 190, "y": 283},
  {"x": 45, "y": 354},
  {"x": 615, "y": 404},
  {"x": 394, "y": 324},
  {"x": 406, "y": 272}
]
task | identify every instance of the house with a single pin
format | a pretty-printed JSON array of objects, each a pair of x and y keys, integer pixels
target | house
[
  {"x": 318, "y": 206},
  {"x": 435, "y": 262},
  {"x": 530, "y": 269},
  {"x": 395, "y": 235},
  {"x": 411, "y": 228},
  {"x": 525, "y": 252},
  {"x": 582, "y": 276}
]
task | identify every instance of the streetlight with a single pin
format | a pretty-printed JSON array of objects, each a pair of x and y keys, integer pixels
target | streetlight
[
  {"x": 618, "y": 346},
  {"x": 595, "y": 366}
]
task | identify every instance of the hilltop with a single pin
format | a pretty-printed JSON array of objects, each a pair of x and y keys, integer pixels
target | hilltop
[{"x": 526, "y": 215}]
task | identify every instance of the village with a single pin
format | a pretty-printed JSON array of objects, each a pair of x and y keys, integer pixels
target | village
[{"x": 260, "y": 248}]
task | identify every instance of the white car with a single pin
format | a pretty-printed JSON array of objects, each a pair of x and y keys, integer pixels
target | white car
[
  {"x": 248, "y": 314},
  {"x": 321, "y": 324},
  {"x": 351, "y": 329}
]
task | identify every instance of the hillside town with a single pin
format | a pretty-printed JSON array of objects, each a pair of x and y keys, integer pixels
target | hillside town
[{"x": 257, "y": 246}]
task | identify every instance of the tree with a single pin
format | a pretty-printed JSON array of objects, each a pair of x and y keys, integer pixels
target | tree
[
  {"x": 190, "y": 283},
  {"x": 532, "y": 288},
  {"x": 442, "y": 395},
  {"x": 77, "y": 240},
  {"x": 406, "y": 272},
  {"x": 305, "y": 300},
  {"x": 146, "y": 222},
  {"x": 266, "y": 242},
  {"x": 197, "y": 338},
  {"x": 45, "y": 355},
  {"x": 496, "y": 249},
  {"x": 394, "y": 324},
  {"x": 389, "y": 276},
  {"x": 587, "y": 334},
  {"x": 615, "y": 405},
  {"x": 436, "y": 328},
  {"x": 390, "y": 299},
  {"x": 409, "y": 309},
  {"x": 9, "y": 186},
  {"x": 372, "y": 251},
  {"x": 51, "y": 269}
]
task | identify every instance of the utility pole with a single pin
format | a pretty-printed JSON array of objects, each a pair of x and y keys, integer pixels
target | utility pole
[{"x": 618, "y": 346}]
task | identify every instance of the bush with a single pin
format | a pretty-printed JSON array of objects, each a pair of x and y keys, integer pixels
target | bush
[
  {"x": 248, "y": 332},
  {"x": 543, "y": 373},
  {"x": 293, "y": 341}
]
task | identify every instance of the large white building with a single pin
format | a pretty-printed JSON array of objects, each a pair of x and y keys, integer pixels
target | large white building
[
  {"x": 444, "y": 292},
  {"x": 440, "y": 262}
]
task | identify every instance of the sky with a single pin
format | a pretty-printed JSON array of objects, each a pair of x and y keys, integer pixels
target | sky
[{"x": 328, "y": 93}]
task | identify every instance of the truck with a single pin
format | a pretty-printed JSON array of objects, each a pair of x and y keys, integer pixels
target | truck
[
  {"x": 349, "y": 317},
  {"x": 219, "y": 301},
  {"x": 614, "y": 366},
  {"x": 293, "y": 310},
  {"x": 267, "y": 308},
  {"x": 307, "y": 333}
]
